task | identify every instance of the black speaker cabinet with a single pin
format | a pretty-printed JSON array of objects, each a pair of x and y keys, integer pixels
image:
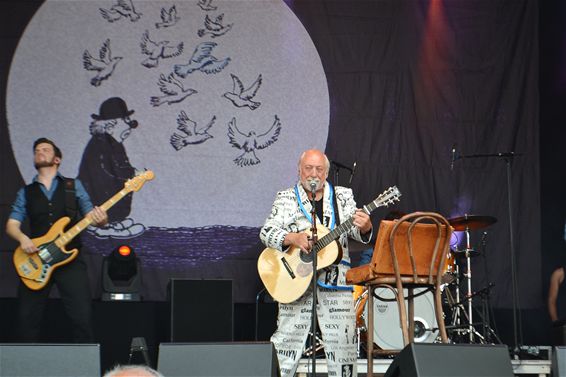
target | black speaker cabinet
[
  {"x": 218, "y": 360},
  {"x": 40, "y": 360},
  {"x": 559, "y": 362},
  {"x": 451, "y": 360},
  {"x": 201, "y": 310}
]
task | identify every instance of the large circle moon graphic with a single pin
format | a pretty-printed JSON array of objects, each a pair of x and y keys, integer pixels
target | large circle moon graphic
[{"x": 52, "y": 92}]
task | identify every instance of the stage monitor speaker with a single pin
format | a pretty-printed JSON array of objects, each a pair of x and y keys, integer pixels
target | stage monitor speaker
[
  {"x": 451, "y": 360},
  {"x": 201, "y": 310},
  {"x": 218, "y": 359},
  {"x": 559, "y": 362},
  {"x": 42, "y": 360}
]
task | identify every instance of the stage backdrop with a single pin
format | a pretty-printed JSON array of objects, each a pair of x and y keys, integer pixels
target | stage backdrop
[{"x": 404, "y": 91}]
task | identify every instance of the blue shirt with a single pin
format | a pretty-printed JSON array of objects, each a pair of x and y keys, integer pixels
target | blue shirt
[
  {"x": 19, "y": 208},
  {"x": 365, "y": 256}
]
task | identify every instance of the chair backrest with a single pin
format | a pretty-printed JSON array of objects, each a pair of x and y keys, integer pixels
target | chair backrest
[{"x": 415, "y": 245}]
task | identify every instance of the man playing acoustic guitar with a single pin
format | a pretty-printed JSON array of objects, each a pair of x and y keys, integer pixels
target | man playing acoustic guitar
[
  {"x": 284, "y": 231},
  {"x": 48, "y": 198}
]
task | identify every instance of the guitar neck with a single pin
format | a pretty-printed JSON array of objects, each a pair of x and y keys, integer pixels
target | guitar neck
[
  {"x": 333, "y": 235},
  {"x": 342, "y": 228},
  {"x": 68, "y": 236}
]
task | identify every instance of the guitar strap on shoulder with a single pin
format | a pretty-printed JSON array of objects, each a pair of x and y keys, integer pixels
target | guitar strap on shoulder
[
  {"x": 70, "y": 198},
  {"x": 336, "y": 209}
]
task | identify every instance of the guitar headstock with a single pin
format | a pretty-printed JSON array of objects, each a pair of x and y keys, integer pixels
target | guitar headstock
[
  {"x": 389, "y": 196},
  {"x": 136, "y": 183}
]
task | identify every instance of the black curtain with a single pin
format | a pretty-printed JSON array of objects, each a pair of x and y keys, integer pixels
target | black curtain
[{"x": 410, "y": 81}]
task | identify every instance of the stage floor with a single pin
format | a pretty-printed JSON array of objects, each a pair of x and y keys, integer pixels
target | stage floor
[{"x": 539, "y": 368}]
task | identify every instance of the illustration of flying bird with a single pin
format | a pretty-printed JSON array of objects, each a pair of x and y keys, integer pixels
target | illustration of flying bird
[
  {"x": 214, "y": 28},
  {"x": 157, "y": 50},
  {"x": 173, "y": 89},
  {"x": 241, "y": 97},
  {"x": 206, "y": 6},
  {"x": 251, "y": 142},
  {"x": 122, "y": 9},
  {"x": 191, "y": 134},
  {"x": 168, "y": 17},
  {"x": 104, "y": 66},
  {"x": 202, "y": 60}
]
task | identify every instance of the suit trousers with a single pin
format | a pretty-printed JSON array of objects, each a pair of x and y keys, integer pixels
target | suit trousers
[{"x": 337, "y": 321}]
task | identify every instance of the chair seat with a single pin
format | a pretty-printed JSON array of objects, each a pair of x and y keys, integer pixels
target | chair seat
[
  {"x": 366, "y": 275},
  {"x": 360, "y": 275}
]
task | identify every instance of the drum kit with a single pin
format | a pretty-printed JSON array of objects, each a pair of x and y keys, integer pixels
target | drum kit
[{"x": 458, "y": 298}]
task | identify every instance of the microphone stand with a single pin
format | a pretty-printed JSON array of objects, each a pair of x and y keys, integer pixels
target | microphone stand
[
  {"x": 314, "y": 238},
  {"x": 338, "y": 166},
  {"x": 508, "y": 157}
]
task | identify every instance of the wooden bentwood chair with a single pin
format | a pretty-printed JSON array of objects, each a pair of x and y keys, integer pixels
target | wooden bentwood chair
[{"x": 409, "y": 253}]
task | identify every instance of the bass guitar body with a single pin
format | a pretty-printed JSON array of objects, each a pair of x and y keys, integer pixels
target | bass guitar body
[{"x": 35, "y": 269}]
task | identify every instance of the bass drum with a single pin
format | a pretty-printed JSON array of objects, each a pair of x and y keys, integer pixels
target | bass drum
[{"x": 387, "y": 332}]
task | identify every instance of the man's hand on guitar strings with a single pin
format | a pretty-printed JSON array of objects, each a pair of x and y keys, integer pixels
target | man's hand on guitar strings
[
  {"x": 27, "y": 245},
  {"x": 300, "y": 240}
]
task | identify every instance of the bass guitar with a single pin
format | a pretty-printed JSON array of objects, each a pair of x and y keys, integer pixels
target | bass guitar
[
  {"x": 287, "y": 275},
  {"x": 36, "y": 269}
]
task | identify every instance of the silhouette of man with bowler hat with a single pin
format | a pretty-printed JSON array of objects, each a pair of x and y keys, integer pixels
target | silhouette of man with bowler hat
[{"x": 105, "y": 167}]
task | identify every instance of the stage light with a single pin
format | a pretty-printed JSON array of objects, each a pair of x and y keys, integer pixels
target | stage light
[{"x": 121, "y": 275}]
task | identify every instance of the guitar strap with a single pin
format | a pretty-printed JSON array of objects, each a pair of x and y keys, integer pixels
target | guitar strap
[
  {"x": 70, "y": 198},
  {"x": 336, "y": 209}
]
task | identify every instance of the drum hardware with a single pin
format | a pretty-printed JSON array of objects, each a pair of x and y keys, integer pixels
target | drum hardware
[
  {"x": 489, "y": 335},
  {"x": 319, "y": 345},
  {"x": 460, "y": 324},
  {"x": 471, "y": 222},
  {"x": 467, "y": 223}
]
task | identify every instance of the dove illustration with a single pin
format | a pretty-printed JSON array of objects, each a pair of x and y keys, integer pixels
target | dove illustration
[
  {"x": 251, "y": 142},
  {"x": 205, "y": 5},
  {"x": 168, "y": 18},
  {"x": 158, "y": 50},
  {"x": 202, "y": 60},
  {"x": 191, "y": 134},
  {"x": 241, "y": 97},
  {"x": 104, "y": 67},
  {"x": 173, "y": 89},
  {"x": 214, "y": 28},
  {"x": 122, "y": 9}
]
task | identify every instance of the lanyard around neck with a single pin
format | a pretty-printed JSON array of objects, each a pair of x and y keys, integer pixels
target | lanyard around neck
[{"x": 330, "y": 200}]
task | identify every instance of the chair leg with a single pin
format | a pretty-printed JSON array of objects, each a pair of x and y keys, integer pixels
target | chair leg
[
  {"x": 403, "y": 315},
  {"x": 440, "y": 315},
  {"x": 411, "y": 315},
  {"x": 369, "y": 327}
]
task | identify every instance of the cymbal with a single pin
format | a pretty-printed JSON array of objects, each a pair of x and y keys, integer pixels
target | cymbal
[{"x": 471, "y": 222}]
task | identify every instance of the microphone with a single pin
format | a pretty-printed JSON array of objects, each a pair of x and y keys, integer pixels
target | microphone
[
  {"x": 453, "y": 156},
  {"x": 313, "y": 183},
  {"x": 483, "y": 240},
  {"x": 353, "y": 172}
]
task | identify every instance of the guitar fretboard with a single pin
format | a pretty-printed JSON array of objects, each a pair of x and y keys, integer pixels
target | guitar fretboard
[
  {"x": 346, "y": 225},
  {"x": 68, "y": 236}
]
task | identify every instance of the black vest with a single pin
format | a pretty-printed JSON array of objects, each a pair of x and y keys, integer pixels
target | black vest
[{"x": 43, "y": 213}]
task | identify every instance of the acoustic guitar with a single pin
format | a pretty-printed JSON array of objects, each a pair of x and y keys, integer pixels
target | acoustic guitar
[
  {"x": 287, "y": 275},
  {"x": 36, "y": 269}
]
